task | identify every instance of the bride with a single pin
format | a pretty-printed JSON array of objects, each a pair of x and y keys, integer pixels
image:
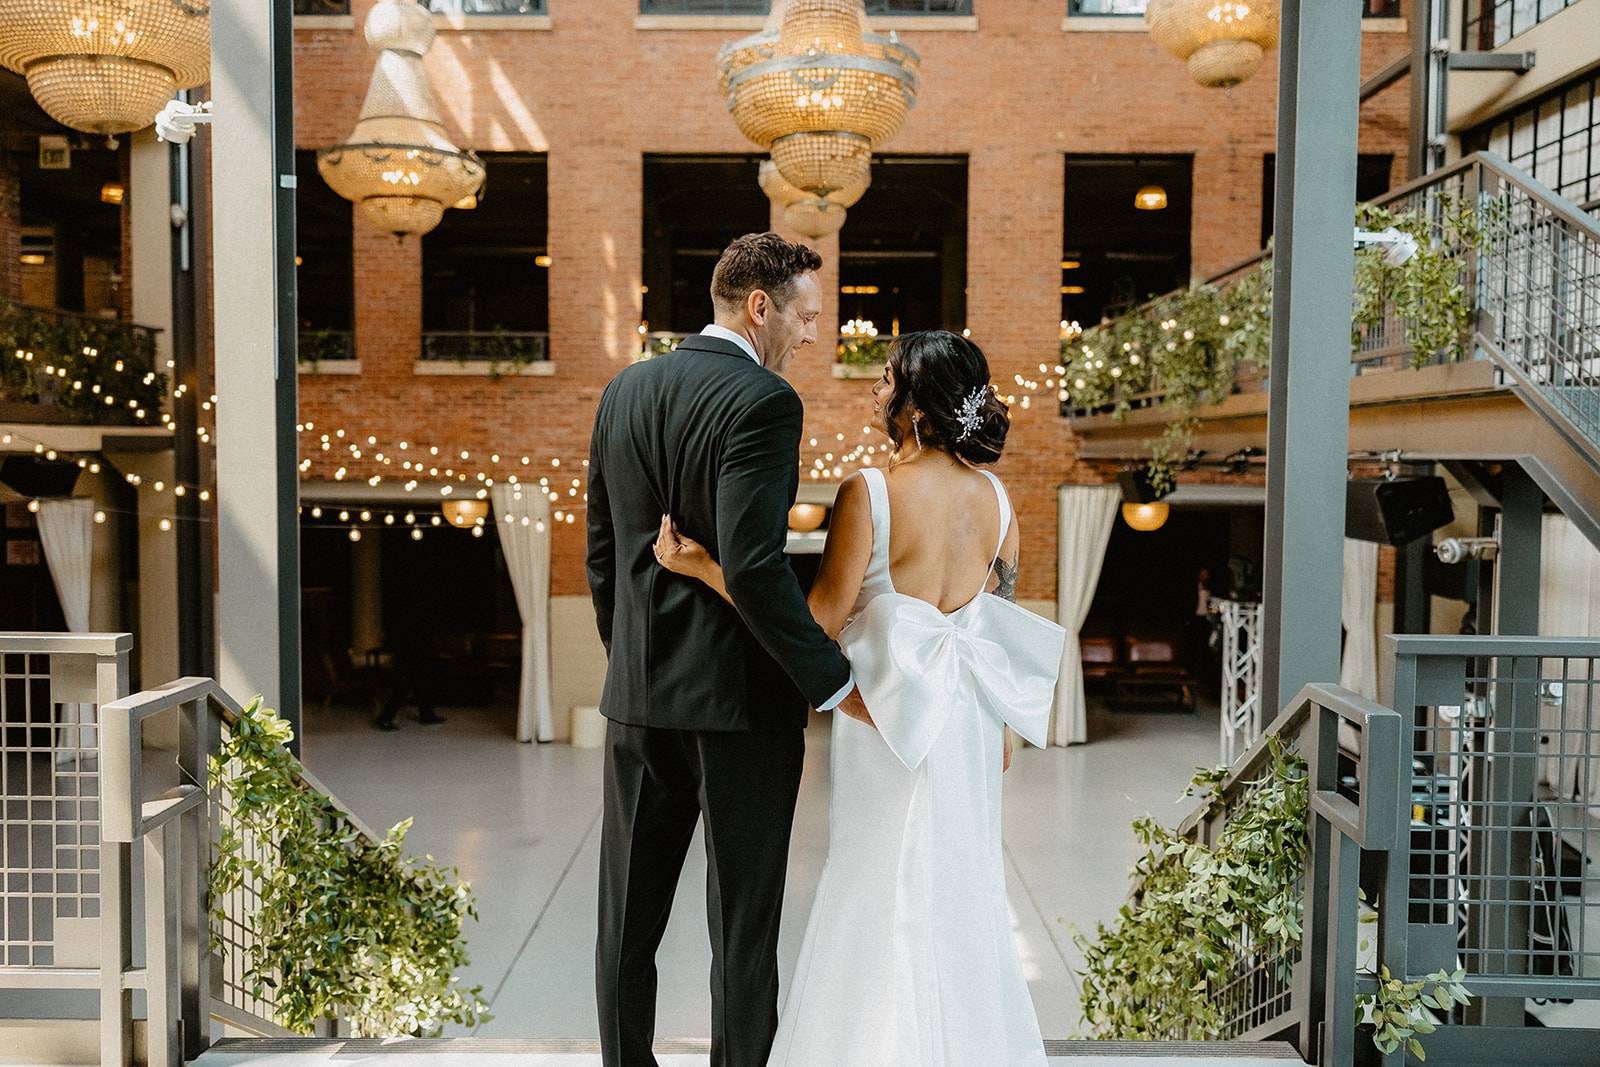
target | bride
[{"x": 908, "y": 957}]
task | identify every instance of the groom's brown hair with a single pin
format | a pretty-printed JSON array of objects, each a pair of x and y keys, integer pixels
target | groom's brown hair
[{"x": 762, "y": 261}]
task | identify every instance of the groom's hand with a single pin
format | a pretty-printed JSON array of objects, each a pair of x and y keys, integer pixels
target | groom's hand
[{"x": 856, "y": 708}]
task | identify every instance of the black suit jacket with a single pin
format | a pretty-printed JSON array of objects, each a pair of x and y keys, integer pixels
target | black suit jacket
[{"x": 709, "y": 436}]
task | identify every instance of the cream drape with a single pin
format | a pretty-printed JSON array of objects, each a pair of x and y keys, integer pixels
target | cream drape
[
  {"x": 1087, "y": 513},
  {"x": 66, "y": 530},
  {"x": 522, "y": 517},
  {"x": 1358, "y": 670},
  {"x": 1569, "y": 606}
]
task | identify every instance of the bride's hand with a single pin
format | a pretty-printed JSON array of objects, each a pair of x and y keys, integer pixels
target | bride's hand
[{"x": 679, "y": 553}]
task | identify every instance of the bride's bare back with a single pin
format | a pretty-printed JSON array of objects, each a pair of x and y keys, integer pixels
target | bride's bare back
[{"x": 945, "y": 532}]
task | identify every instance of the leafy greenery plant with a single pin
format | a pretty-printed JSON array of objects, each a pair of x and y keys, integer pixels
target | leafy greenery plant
[
  {"x": 340, "y": 925},
  {"x": 864, "y": 351},
  {"x": 1159, "y": 971},
  {"x": 1185, "y": 351},
  {"x": 99, "y": 370}
]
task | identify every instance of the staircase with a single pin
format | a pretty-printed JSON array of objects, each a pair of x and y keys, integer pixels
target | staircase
[{"x": 1529, "y": 393}]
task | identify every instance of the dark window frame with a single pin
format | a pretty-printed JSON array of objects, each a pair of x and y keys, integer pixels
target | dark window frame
[
  {"x": 1479, "y": 31},
  {"x": 1541, "y": 151}
]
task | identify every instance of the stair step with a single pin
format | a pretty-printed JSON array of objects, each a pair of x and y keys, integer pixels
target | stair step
[{"x": 483, "y": 1052}]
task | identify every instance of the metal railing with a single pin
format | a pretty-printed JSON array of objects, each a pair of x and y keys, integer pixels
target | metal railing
[
  {"x": 494, "y": 346},
  {"x": 1242, "y": 718},
  {"x": 87, "y": 773},
  {"x": 1273, "y": 992},
  {"x": 322, "y": 346},
  {"x": 1469, "y": 819},
  {"x": 1372, "y": 9}
]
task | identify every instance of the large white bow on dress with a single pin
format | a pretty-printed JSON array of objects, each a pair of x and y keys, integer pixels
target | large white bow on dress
[{"x": 915, "y": 666}]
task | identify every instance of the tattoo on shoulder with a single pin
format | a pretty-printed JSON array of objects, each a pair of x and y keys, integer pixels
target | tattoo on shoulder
[{"x": 1007, "y": 573}]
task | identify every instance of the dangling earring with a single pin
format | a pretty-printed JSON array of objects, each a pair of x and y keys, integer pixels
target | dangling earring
[{"x": 916, "y": 430}]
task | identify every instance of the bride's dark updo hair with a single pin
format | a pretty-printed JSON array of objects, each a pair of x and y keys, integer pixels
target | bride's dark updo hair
[{"x": 935, "y": 371}]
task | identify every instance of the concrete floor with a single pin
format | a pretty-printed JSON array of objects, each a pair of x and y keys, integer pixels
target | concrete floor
[{"x": 521, "y": 824}]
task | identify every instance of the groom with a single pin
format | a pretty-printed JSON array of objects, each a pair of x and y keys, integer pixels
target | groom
[{"x": 706, "y": 702}]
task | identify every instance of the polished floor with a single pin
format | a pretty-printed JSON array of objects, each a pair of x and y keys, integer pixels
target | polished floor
[{"x": 521, "y": 822}]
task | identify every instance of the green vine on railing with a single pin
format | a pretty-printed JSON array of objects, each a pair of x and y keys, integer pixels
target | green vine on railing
[
  {"x": 345, "y": 926},
  {"x": 103, "y": 371},
  {"x": 1187, "y": 350},
  {"x": 1158, "y": 971}
]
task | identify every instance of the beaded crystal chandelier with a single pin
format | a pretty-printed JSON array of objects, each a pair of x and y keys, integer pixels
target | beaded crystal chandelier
[
  {"x": 106, "y": 66},
  {"x": 820, "y": 91},
  {"x": 398, "y": 163},
  {"x": 1223, "y": 41},
  {"x": 806, "y": 213}
]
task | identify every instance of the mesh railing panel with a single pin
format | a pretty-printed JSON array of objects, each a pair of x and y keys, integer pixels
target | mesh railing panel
[
  {"x": 1506, "y": 818},
  {"x": 50, "y": 821},
  {"x": 236, "y": 935},
  {"x": 1540, "y": 292}
]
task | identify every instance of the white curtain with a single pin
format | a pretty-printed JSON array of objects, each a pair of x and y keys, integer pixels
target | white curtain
[
  {"x": 1358, "y": 672},
  {"x": 522, "y": 516},
  {"x": 1087, "y": 513},
  {"x": 1569, "y": 606},
  {"x": 66, "y": 530}
]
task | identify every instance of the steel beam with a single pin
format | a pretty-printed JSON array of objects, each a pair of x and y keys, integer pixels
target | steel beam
[
  {"x": 1313, "y": 271},
  {"x": 252, "y": 187}
]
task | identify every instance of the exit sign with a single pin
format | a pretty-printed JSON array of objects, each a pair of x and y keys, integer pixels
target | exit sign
[{"x": 55, "y": 152}]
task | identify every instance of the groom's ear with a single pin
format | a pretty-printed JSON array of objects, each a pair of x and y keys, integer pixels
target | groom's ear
[{"x": 757, "y": 306}]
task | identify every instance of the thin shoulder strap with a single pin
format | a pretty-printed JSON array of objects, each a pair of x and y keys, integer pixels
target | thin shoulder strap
[
  {"x": 878, "y": 493},
  {"x": 1005, "y": 524}
]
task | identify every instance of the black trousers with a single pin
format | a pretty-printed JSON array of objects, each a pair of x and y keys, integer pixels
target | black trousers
[{"x": 658, "y": 784}]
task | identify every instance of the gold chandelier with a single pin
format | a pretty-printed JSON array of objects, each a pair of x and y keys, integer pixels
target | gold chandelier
[
  {"x": 398, "y": 163},
  {"x": 806, "y": 213},
  {"x": 820, "y": 91},
  {"x": 1223, "y": 41},
  {"x": 106, "y": 66}
]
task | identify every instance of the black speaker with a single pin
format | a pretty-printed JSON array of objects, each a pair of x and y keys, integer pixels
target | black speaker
[
  {"x": 1395, "y": 511},
  {"x": 35, "y": 476}
]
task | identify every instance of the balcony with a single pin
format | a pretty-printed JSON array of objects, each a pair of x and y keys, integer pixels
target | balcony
[
  {"x": 494, "y": 353},
  {"x": 328, "y": 352},
  {"x": 58, "y": 367}
]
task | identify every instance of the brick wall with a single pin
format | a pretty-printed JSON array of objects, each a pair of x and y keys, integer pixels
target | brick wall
[{"x": 597, "y": 94}]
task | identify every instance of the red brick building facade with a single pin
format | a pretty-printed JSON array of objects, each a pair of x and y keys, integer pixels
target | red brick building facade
[{"x": 597, "y": 88}]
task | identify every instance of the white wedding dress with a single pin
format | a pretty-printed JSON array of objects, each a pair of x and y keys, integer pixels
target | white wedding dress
[{"x": 908, "y": 958}]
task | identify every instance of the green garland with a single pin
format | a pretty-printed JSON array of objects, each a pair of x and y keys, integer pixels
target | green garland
[
  {"x": 1185, "y": 351},
  {"x": 346, "y": 926},
  {"x": 100, "y": 371},
  {"x": 1156, "y": 972}
]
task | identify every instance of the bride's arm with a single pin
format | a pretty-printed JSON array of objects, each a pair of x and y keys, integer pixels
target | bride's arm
[
  {"x": 1003, "y": 584},
  {"x": 844, "y": 558}
]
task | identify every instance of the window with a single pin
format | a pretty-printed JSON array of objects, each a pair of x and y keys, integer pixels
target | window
[
  {"x": 486, "y": 7},
  {"x": 486, "y": 270},
  {"x": 693, "y": 207},
  {"x": 1488, "y": 24},
  {"x": 1372, "y": 9},
  {"x": 760, "y": 7},
  {"x": 1115, "y": 254},
  {"x": 903, "y": 249},
  {"x": 1555, "y": 138},
  {"x": 324, "y": 265},
  {"x": 322, "y": 7}
]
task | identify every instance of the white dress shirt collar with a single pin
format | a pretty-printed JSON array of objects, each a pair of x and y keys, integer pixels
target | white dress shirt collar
[{"x": 725, "y": 334}]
